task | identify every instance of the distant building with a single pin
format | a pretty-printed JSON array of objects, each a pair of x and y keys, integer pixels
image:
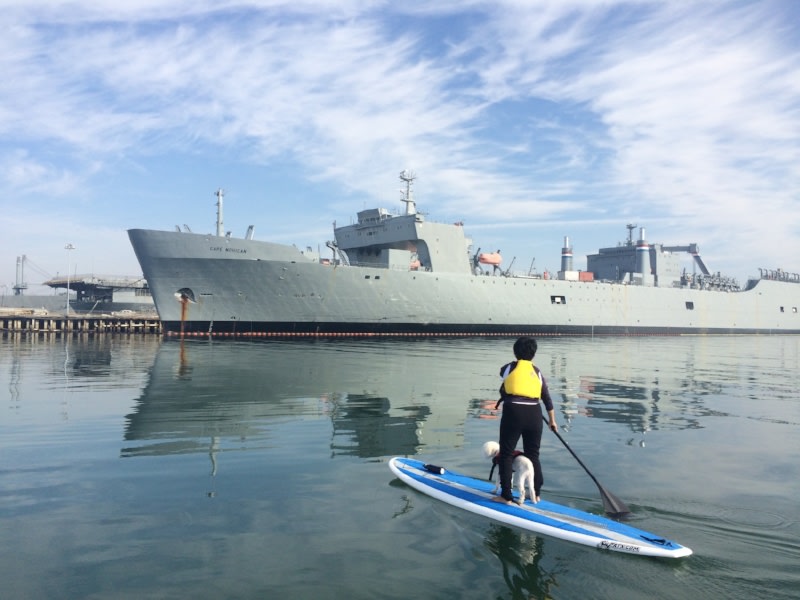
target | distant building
[{"x": 97, "y": 293}]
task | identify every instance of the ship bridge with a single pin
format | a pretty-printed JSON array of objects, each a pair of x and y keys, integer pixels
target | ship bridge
[{"x": 403, "y": 241}]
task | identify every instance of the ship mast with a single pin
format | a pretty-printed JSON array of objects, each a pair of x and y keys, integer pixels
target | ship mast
[
  {"x": 409, "y": 177},
  {"x": 630, "y": 227},
  {"x": 220, "y": 193}
]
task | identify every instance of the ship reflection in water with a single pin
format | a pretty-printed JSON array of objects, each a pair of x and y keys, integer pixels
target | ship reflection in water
[
  {"x": 243, "y": 395},
  {"x": 382, "y": 398}
]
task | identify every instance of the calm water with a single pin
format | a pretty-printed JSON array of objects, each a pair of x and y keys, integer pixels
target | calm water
[{"x": 142, "y": 468}]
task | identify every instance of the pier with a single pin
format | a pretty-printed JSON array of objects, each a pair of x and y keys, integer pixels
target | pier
[{"x": 35, "y": 321}]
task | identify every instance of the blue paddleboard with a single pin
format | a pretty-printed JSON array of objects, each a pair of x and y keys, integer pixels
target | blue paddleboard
[{"x": 548, "y": 518}]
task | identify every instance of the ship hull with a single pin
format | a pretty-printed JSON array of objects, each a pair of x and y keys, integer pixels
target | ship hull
[{"x": 204, "y": 284}]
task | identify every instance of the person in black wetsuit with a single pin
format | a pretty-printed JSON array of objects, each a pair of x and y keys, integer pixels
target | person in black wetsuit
[{"x": 522, "y": 392}]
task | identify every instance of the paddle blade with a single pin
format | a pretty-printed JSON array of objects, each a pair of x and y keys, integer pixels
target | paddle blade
[{"x": 613, "y": 505}]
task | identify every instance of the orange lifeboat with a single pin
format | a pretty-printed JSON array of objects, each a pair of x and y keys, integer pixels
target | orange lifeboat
[{"x": 490, "y": 258}]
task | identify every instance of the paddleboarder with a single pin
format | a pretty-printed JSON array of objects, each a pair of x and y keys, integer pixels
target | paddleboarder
[{"x": 522, "y": 393}]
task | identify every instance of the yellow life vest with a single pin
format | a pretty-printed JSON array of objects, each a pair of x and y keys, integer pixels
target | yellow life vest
[{"x": 523, "y": 380}]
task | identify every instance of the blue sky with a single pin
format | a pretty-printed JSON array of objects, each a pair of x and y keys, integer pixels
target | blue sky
[{"x": 528, "y": 121}]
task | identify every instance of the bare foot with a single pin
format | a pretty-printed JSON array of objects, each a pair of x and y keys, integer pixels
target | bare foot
[{"x": 501, "y": 500}]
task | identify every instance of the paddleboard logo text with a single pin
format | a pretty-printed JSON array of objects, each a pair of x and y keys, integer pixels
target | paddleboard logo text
[{"x": 618, "y": 546}]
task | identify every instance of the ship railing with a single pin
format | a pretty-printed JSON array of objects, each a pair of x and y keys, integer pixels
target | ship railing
[
  {"x": 394, "y": 267},
  {"x": 779, "y": 275}
]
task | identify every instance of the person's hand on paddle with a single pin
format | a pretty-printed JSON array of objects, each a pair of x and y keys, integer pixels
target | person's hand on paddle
[{"x": 553, "y": 425}]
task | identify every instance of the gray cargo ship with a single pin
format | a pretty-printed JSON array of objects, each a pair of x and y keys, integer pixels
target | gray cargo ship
[{"x": 401, "y": 274}]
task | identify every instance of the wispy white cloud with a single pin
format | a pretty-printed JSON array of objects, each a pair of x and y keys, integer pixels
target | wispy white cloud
[{"x": 698, "y": 105}]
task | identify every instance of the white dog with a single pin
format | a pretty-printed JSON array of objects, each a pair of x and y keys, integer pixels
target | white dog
[{"x": 523, "y": 472}]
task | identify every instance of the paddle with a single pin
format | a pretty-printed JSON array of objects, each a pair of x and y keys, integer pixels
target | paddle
[{"x": 612, "y": 505}]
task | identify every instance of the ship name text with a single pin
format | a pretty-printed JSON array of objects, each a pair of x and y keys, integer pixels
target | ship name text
[{"x": 222, "y": 249}]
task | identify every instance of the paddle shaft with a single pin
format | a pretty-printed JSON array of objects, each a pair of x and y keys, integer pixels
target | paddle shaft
[
  {"x": 611, "y": 503},
  {"x": 580, "y": 462}
]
